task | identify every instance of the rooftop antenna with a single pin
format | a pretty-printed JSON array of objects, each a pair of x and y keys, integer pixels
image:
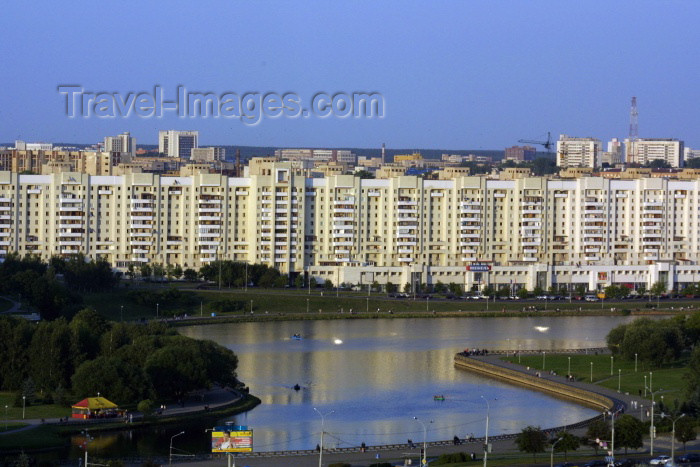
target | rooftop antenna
[{"x": 634, "y": 125}]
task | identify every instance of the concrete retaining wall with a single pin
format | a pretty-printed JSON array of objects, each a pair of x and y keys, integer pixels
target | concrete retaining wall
[{"x": 582, "y": 396}]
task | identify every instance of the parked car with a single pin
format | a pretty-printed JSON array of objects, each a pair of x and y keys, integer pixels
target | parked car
[
  {"x": 661, "y": 460},
  {"x": 688, "y": 458},
  {"x": 596, "y": 463},
  {"x": 626, "y": 463},
  {"x": 591, "y": 298}
]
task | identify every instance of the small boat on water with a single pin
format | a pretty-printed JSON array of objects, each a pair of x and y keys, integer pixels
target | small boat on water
[
  {"x": 439, "y": 397},
  {"x": 296, "y": 337}
]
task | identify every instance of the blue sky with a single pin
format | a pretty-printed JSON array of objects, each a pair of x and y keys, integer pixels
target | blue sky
[{"x": 468, "y": 74}]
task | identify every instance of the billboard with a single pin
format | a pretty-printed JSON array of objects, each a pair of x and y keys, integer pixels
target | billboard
[
  {"x": 478, "y": 267},
  {"x": 226, "y": 440}
]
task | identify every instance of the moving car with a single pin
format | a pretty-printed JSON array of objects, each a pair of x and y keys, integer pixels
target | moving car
[
  {"x": 661, "y": 460},
  {"x": 688, "y": 458}
]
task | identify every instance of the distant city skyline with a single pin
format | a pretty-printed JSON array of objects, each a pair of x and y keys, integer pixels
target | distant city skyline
[{"x": 475, "y": 75}]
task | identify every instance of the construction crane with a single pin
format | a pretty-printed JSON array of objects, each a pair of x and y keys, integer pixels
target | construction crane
[{"x": 546, "y": 144}]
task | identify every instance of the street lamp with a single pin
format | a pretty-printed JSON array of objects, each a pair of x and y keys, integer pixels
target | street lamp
[
  {"x": 645, "y": 385},
  {"x": 320, "y": 451},
  {"x": 543, "y": 358},
  {"x": 551, "y": 458},
  {"x": 619, "y": 377},
  {"x": 591, "y": 372},
  {"x": 635, "y": 362},
  {"x": 612, "y": 438},
  {"x": 24, "y": 401},
  {"x": 170, "y": 457},
  {"x": 157, "y": 309},
  {"x": 611, "y": 365},
  {"x": 424, "y": 461},
  {"x": 673, "y": 435},
  {"x": 652, "y": 430},
  {"x": 5, "y": 417},
  {"x": 568, "y": 373},
  {"x": 486, "y": 436}
]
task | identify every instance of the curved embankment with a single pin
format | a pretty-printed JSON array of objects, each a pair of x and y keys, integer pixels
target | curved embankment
[{"x": 588, "y": 398}]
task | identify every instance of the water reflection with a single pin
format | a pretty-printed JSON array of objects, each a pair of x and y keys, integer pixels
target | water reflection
[{"x": 385, "y": 372}]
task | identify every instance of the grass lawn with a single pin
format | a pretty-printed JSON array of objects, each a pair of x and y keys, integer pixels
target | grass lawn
[
  {"x": 668, "y": 379},
  {"x": 319, "y": 301},
  {"x": 31, "y": 411}
]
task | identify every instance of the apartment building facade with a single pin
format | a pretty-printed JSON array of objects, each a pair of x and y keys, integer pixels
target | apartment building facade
[
  {"x": 473, "y": 231},
  {"x": 578, "y": 152}
]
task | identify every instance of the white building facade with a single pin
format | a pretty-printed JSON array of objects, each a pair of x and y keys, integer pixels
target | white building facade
[
  {"x": 578, "y": 152},
  {"x": 472, "y": 231}
]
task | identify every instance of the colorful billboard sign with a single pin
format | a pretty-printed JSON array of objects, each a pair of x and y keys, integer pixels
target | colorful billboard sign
[
  {"x": 478, "y": 267},
  {"x": 226, "y": 440}
]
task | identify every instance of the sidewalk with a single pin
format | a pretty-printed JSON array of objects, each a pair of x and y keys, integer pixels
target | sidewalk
[{"x": 198, "y": 402}]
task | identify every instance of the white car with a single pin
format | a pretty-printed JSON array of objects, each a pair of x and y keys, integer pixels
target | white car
[{"x": 661, "y": 460}]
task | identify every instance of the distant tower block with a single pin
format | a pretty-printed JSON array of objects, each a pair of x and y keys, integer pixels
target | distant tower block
[
  {"x": 383, "y": 153},
  {"x": 238, "y": 162},
  {"x": 634, "y": 126}
]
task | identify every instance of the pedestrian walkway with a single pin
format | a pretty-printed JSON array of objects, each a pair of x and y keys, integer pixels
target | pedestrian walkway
[{"x": 201, "y": 401}]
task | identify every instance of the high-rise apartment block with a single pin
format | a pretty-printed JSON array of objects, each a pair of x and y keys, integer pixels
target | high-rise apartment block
[
  {"x": 578, "y": 152},
  {"x": 123, "y": 143},
  {"x": 644, "y": 150},
  {"x": 175, "y": 143},
  {"x": 520, "y": 153},
  {"x": 470, "y": 230},
  {"x": 211, "y": 154}
]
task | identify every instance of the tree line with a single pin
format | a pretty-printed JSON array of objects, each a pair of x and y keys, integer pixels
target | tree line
[{"x": 53, "y": 361}]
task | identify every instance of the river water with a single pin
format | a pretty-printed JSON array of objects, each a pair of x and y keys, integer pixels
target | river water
[{"x": 371, "y": 377}]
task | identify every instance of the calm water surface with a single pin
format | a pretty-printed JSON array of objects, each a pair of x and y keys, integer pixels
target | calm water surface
[{"x": 375, "y": 375}]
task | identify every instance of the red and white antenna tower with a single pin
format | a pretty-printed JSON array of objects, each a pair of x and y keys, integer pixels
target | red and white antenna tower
[{"x": 634, "y": 125}]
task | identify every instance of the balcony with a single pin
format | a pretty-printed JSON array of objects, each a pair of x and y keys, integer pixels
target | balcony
[
  {"x": 591, "y": 258},
  {"x": 141, "y": 218},
  {"x": 141, "y": 243},
  {"x": 70, "y": 218},
  {"x": 104, "y": 192},
  {"x": 404, "y": 259},
  {"x": 209, "y": 218}
]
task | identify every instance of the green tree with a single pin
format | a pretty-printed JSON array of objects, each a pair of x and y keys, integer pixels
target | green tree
[
  {"x": 531, "y": 440},
  {"x": 391, "y": 287},
  {"x": 629, "y": 432},
  {"x": 685, "y": 430},
  {"x": 121, "y": 381},
  {"x": 523, "y": 293},
  {"x": 658, "y": 289},
  {"x": 177, "y": 271},
  {"x": 145, "y": 407},
  {"x": 299, "y": 281},
  {"x": 568, "y": 443},
  {"x": 597, "y": 429},
  {"x": 407, "y": 288},
  {"x": 190, "y": 275},
  {"x": 455, "y": 289},
  {"x": 146, "y": 270},
  {"x": 328, "y": 285}
]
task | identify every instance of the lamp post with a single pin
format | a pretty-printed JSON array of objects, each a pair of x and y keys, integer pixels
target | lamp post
[
  {"x": 543, "y": 358},
  {"x": 170, "y": 456},
  {"x": 652, "y": 429},
  {"x": 612, "y": 437},
  {"x": 650, "y": 381},
  {"x": 568, "y": 373},
  {"x": 519, "y": 353},
  {"x": 157, "y": 309},
  {"x": 424, "y": 461},
  {"x": 323, "y": 419},
  {"x": 367, "y": 302},
  {"x": 486, "y": 437},
  {"x": 591, "y": 372},
  {"x": 24, "y": 405},
  {"x": 619, "y": 378},
  {"x": 673, "y": 435},
  {"x": 635, "y": 362},
  {"x": 645, "y": 385},
  {"x": 5, "y": 417},
  {"x": 611, "y": 365},
  {"x": 551, "y": 458},
  {"x": 251, "y": 307}
]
